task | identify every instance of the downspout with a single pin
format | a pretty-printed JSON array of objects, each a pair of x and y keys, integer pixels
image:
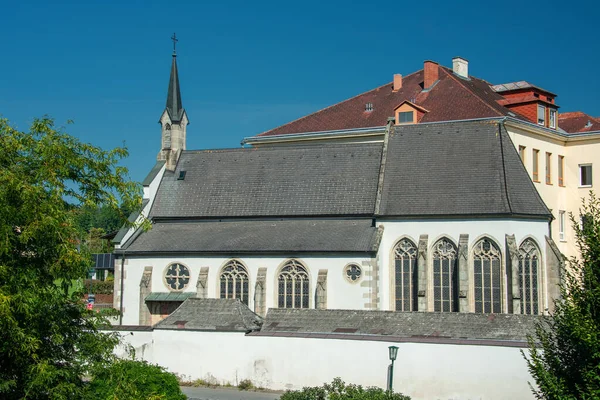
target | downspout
[{"x": 122, "y": 288}]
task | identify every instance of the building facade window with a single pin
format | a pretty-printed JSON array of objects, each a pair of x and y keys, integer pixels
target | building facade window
[
  {"x": 561, "y": 170},
  {"x": 541, "y": 115},
  {"x": 445, "y": 276},
  {"x": 552, "y": 118},
  {"x": 177, "y": 277},
  {"x": 293, "y": 286},
  {"x": 535, "y": 166},
  {"x": 561, "y": 225},
  {"x": 529, "y": 260},
  {"x": 487, "y": 277},
  {"x": 548, "y": 168},
  {"x": 522, "y": 153},
  {"x": 234, "y": 282},
  {"x": 585, "y": 175},
  {"x": 406, "y": 117},
  {"x": 369, "y": 107},
  {"x": 352, "y": 272},
  {"x": 405, "y": 268}
]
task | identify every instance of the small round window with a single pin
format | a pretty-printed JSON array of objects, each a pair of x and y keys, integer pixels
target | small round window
[
  {"x": 352, "y": 272},
  {"x": 177, "y": 276}
]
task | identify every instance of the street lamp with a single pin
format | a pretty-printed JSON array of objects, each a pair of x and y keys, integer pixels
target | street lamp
[{"x": 393, "y": 350}]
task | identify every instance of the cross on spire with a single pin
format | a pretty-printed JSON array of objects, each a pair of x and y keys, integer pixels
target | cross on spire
[{"x": 175, "y": 40}]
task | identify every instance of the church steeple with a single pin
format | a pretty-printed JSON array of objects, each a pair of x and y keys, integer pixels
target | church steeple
[
  {"x": 174, "y": 119},
  {"x": 174, "y": 106}
]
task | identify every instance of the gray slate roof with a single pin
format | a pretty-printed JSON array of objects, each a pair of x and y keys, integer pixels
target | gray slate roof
[
  {"x": 456, "y": 169},
  {"x": 282, "y": 181},
  {"x": 509, "y": 327},
  {"x": 229, "y": 315},
  {"x": 258, "y": 236}
]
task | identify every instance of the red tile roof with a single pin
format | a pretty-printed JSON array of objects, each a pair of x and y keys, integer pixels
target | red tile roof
[
  {"x": 451, "y": 98},
  {"x": 577, "y": 121}
]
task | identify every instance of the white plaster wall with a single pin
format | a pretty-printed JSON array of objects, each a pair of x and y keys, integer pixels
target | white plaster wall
[
  {"x": 341, "y": 294},
  {"x": 493, "y": 228},
  {"x": 141, "y": 343},
  {"x": 423, "y": 371}
]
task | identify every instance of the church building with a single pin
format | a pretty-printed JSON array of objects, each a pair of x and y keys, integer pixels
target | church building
[{"x": 413, "y": 197}]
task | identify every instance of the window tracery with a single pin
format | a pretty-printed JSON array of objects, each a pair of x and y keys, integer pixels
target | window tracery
[
  {"x": 487, "y": 277},
  {"x": 177, "y": 277},
  {"x": 445, "y": 276},
  {"x": 529, "y": 259},
  {"x": 406, "y": 283},
  {"x": 234, "y": 282},
  {"x": 293, "y": 286}
]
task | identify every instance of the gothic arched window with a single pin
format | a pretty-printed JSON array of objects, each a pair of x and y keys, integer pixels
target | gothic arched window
[
  {"x": 445, "y": 276},
  {"x": 234, "y": 282},
  {"x": 487, "y": 276},
  {"x": 529, "y": 263},
  {"x": 405, "y": 259},
  {"x": 167, "y": 127},
  {"x": 293, "y": 286}
]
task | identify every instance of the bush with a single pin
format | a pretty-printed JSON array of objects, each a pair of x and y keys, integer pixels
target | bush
[
  {"x": 134, "y": 380},
  {"x": 338, "y": 390},
  {"x": 245, "y": 384}
]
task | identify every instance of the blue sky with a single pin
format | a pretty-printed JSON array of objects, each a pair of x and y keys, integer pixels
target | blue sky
[{"x": 246, "y": 67}]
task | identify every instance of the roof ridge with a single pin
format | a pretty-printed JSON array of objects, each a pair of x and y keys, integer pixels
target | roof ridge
[
  {"x": 333, "y": 105},
  {"x": 281, "y": 147},
  {"x": 451, "y": 75}
]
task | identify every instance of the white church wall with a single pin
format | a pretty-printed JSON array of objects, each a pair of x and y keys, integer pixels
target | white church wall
[
  {"x": 435, "y": 229},
  {"x": 422, "y": 370},
  {"x": 341, "y": 293}
]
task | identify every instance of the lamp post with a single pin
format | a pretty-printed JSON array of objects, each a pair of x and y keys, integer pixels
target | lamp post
[{"x": 393, "y": 352}]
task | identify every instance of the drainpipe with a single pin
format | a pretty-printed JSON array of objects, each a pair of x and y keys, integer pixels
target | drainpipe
[{"x": 122, "y": 288}]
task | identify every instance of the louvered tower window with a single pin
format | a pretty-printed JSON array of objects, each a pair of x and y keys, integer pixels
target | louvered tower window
[
  {"x": 445, "y": 276},
  {"x": 293, "y": 286},
  {"x": 486, "y": 266},
  {"x": 529, "y": 260},
  {"x": 405, "y": 255},
  {"x": 234, "y": 282}
]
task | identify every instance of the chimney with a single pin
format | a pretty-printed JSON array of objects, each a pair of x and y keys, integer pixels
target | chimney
[
  {"x": 460, "y": 66},
  {"x": 397, "y": 82},
  {"x": 431, "y": 73}
]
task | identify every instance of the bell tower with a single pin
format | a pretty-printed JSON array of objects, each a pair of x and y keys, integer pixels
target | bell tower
[{"x": 173, "y": 120}]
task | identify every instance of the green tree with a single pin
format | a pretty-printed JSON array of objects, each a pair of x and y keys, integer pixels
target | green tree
[
  {"x": 564, "y": 356},
  {"x": 48, "y": 340}
]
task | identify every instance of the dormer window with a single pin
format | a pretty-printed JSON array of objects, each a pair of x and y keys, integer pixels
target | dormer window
[
  {"x": 369, "y": 107},
  {"x": 406, "y": 117},
  {"x": 408, "y": 113},
  {"x": 541, "y": 115},
  {"x": 552, "y": 119}
]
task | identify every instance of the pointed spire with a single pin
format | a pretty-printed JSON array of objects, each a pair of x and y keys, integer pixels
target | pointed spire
[{"x": 174, "y": 105}]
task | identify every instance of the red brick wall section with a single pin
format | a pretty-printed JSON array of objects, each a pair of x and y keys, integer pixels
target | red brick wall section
[{"x": 431, "y": 69}]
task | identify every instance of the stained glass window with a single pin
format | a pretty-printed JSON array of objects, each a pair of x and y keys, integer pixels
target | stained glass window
[
  {"x": 487, "y": 276},
  {"x": 177, "y": 276},
  {"x": 445, "y": 276},
  {"x": 234, "y": 282},
  {"x": 405, "y": 255},
  {"x": 293, "y": 286},
  {"x": 529, "y": 259}
]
